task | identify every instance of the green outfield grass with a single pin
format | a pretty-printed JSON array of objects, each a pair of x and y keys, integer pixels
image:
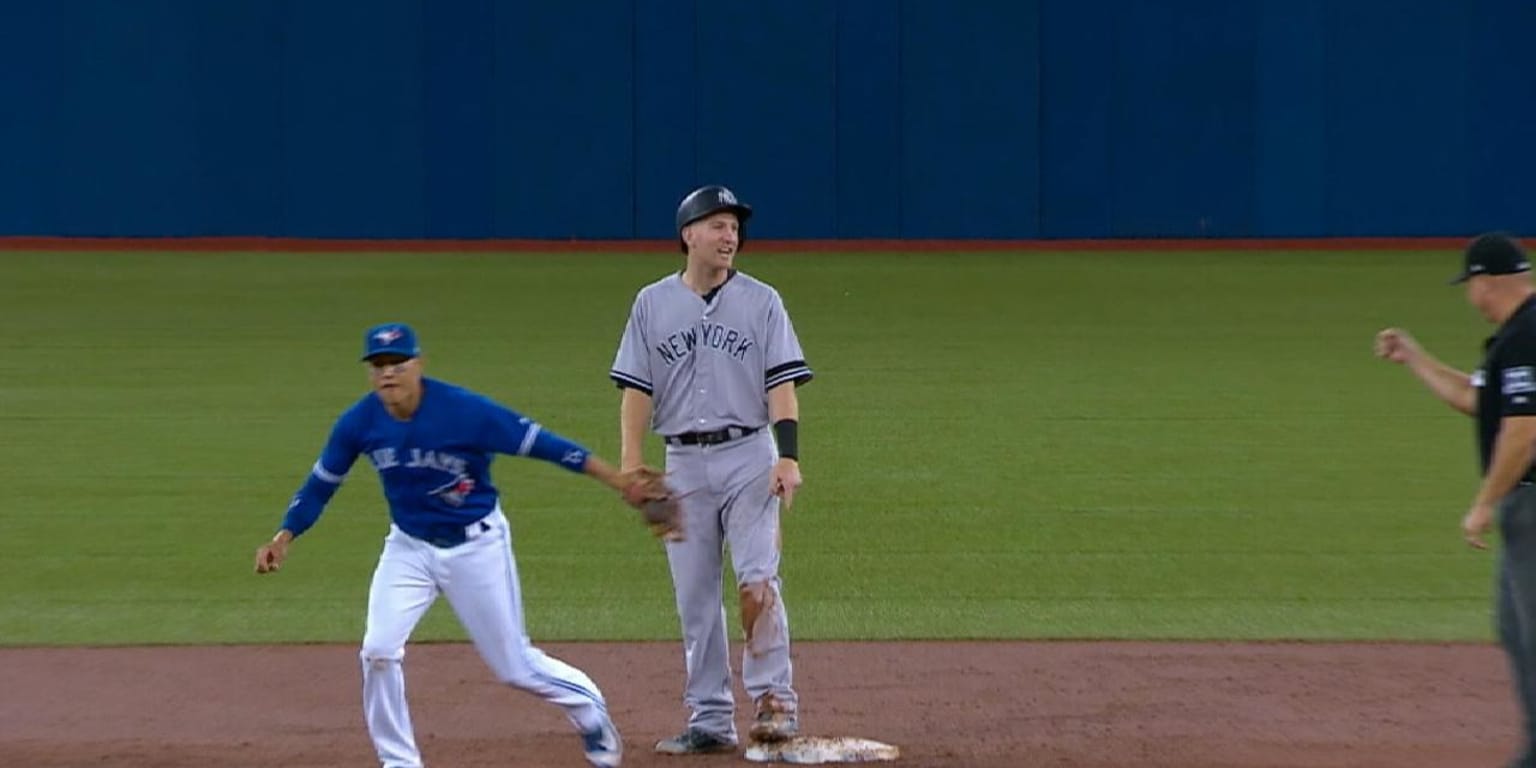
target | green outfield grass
[{"x": 1117, "y": 445}]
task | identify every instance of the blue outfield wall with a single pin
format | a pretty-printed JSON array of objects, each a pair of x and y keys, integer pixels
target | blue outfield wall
[{"x": 994, "y": 119}]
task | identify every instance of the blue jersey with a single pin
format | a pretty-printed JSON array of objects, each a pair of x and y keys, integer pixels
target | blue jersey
[{"x": 436, "y": 467}]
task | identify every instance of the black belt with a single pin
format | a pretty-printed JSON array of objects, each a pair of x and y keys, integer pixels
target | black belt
[
  {"x": 448, "y": 537},
  {"x": 710, "y": 438}
]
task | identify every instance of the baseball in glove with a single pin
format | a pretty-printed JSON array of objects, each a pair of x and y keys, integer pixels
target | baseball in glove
[{"x": 658, "y": 504}]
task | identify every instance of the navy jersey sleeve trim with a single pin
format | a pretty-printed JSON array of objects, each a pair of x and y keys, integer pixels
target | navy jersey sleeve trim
[
  {"x": 626, "y": 381},
  {"x": 795, "y": 370}
]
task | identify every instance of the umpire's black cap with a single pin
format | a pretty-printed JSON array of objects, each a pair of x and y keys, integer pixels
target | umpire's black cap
[
  {"x": 706, "y": 201},
  {"x": 1494, "y": 253}
]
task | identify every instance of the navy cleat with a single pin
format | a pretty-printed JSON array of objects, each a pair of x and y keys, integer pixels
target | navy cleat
[{"x": 695, "y": 742}]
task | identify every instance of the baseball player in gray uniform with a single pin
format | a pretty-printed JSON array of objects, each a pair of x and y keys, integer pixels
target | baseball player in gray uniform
[{"x": 709, "y": 360}]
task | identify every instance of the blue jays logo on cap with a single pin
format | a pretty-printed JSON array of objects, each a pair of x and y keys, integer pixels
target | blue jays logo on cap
[{"x": 390, "y": 338}]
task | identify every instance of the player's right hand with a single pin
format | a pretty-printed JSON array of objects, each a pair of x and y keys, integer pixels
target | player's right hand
[
  {"x": 270, "y": 556},
  {"x": 1396, "y": 345},
  {"x": 785, "y": 481}
]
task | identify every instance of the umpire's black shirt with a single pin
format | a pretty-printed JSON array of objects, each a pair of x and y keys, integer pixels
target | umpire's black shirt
[{"x": 1506, "y": 382}]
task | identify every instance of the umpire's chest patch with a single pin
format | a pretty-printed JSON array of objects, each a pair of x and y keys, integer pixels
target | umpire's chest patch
[{"x": 1519, "y": 380}]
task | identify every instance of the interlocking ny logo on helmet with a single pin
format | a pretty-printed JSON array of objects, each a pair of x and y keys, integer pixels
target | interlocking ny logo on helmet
[{"x": 707, "y": 201}]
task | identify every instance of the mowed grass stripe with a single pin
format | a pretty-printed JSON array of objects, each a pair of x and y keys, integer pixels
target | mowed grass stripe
[{"x": 1181, "y": 445}]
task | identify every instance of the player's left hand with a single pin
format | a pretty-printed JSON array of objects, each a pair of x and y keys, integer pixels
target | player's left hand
[
  {"x": 786, "y": 480},
  {"x": 1477, "y": 522}
]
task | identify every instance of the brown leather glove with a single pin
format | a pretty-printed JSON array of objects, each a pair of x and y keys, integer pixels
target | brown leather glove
[{"x": 659, "y": 506}]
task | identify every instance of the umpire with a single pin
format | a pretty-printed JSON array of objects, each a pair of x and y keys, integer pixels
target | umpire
[{"x": 1501, "y": 394}]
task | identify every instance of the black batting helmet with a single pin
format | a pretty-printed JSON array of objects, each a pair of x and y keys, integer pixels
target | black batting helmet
[{"x": 706, "y": 201}]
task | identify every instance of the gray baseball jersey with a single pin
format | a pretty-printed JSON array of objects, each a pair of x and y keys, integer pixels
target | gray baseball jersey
[{"x": 707, "y": 366}]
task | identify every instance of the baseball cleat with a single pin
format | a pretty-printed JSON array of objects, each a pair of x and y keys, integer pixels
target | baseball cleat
[
  {"x": 775, "y": 721},
  {"x": 695, "y": 742},
  {"x": 775, "y": 726},
  {"x": 603, "y": 746}
]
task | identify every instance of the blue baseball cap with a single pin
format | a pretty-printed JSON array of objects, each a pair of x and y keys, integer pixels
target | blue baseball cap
[{"x": 391, "y": 339}]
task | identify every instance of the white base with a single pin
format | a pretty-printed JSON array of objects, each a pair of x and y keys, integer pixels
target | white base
[{"x": 813, "y": 750}]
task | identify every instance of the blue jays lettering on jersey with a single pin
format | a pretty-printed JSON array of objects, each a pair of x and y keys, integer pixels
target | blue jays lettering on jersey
[{"x": 435, "y": 468}]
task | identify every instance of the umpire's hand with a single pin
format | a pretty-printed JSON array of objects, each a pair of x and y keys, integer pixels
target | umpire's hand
[
  {"x": 1476, "y": 523},
  {"x": 1396, "y": 345}
]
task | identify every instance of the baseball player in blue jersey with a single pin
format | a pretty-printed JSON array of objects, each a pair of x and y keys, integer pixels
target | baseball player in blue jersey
[
  {"x": 710, "y": 360},
  {"x": 432, "y": 444}
]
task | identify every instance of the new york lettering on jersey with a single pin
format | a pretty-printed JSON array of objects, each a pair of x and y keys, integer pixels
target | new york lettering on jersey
[
  {"x": 715, "y": 336},
  {"x": 715, "y": 357}
]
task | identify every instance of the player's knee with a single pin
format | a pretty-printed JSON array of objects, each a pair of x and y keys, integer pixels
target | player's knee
[
  {"x": 761, "y": 590},
  {"x": 381, "y": 658},
  {"x": 755, "y": 597},
  {"x": 760, "y": 616},
  {"x": 754, "y": 593}
]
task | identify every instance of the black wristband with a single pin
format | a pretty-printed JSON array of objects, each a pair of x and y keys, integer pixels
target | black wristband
[{"x": 786, "y": 432}]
